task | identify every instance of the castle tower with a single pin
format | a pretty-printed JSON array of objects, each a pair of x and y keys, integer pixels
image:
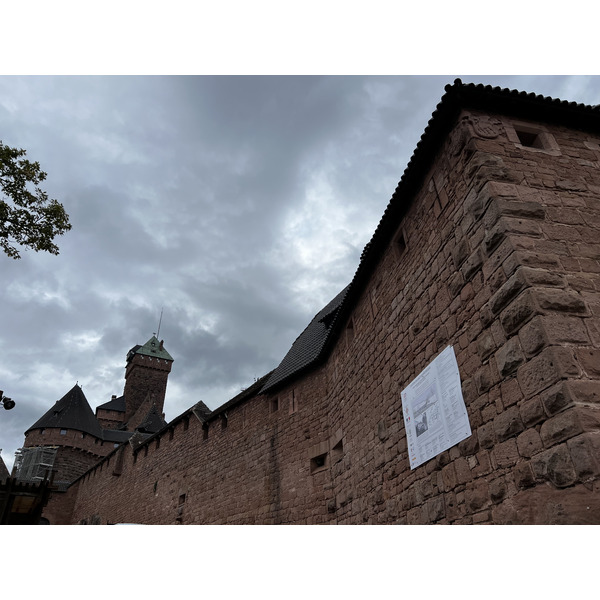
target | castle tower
[
  {"x": 146, "y": 374},
  {"x": 70, "y": 435}
]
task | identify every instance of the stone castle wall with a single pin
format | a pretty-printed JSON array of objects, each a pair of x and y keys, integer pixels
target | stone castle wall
[{"x": 498, "y": 255}]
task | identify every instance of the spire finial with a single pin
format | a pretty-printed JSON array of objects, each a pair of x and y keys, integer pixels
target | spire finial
[{"x": 159, "y": 322}]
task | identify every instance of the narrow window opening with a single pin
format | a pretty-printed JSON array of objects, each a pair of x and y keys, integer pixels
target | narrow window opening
[
  {"x": 171, "y": 434},
  {"x": 224, "y": 421},
  {"x": 318, "y": 463},
  {"x": 146, "y": 450},
  {"x": 205, "y": 431},
  {"x": 134, "y": 458},
  {"x": 337, "y": 452},
  {"x": 155, "y": 486},
  {"x": 293, "y": 403},
  {"x": 157, "y": 443},
  {"x": 274, "y": 405},
  {"x": 529, "y": 139},
  {"x": 186, "y": 424},
  {"x": 181, "y": 499},
  {"x": 400, "y": 244},
  {"x": 350, "y": 331}
]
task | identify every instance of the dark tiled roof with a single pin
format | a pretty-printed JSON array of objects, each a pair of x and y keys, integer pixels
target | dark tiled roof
[
  {"x": 153, "y": 421},
  {"x": 72, "y": 411},
  {"x": 306, "y": 350},
  {"x": 314, "y": 344},
  {"x": 4, "y": 474},
  {"x": 116, "y": 435},
  {"x": 114, "y": 404}
]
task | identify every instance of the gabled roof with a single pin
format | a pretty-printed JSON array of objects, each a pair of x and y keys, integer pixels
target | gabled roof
[
  {"x": 117, "y": 404},
  {"x": 314, "y": 344},
  {"x": 72, "y": 411},
  {"x": 152, "y": 348},
  {"x": 307, "y": 347},
  {"x": 152, "y": 422}
]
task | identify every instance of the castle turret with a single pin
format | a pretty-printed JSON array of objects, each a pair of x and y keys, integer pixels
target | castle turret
[
  {"x": 68, "y": 439},
  {"x": 146, "y": 374}
]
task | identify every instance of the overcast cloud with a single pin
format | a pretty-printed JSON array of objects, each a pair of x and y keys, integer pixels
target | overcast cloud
[{"x": 239, "y": 204}]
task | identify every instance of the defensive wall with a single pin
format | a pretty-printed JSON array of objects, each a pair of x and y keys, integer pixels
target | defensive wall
[{"x": 491, "y": 244}]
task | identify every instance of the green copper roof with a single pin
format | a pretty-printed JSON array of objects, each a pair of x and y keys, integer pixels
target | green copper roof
[{"x": 152, "y": 348}]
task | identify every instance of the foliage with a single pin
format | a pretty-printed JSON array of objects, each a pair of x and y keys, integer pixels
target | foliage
[{"x": 27, "y": 217}]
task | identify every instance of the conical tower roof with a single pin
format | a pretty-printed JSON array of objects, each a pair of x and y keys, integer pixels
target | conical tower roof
[
  {"x": 152, "y": 348},
  {"x": 72, "y": 411}
]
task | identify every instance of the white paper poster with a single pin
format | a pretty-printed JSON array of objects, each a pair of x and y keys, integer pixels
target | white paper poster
[{"x": 435, "y": 416}]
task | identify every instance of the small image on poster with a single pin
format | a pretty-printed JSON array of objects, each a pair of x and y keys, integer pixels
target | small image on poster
[{"x": 435, "y": 416}]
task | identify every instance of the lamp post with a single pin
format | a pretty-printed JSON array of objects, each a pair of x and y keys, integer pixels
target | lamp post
[{"x": 8, "y": 403}]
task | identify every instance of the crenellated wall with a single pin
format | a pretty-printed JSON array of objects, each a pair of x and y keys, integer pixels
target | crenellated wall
[{"x": 497, "y": 255}]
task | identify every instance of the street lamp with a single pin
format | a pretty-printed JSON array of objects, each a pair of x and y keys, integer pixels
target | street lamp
[{"x": 8, "y": 403}]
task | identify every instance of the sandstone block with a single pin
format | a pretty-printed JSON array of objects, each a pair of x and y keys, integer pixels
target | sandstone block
[
  {"x": 509, "y": 357},
  {"x": 510, "y": 392},
  {"x": 548, "y": 367},
  {"x": 523, "y": 278},
  {"x": 560, "y": 300},
  {"x": 557, "y": 398},
  {"x": 462, "y": 469},
  {"x": 585, "y": 454},
  {"x": 524, "y": 477},
  {"x": 508, "y": 424},
  {"x": 486, "y": 435},
  {"x": 509, "y": 226},
  {"x": 483, "y": 379},
  {"x": 555, "y": 465},
  {"x": 506, "y": 453},
  {"x": 589, "y": 359},
  {"x": 546, "y": 330},
  {"x": 518, "y": 312},
  {"x": 529, "y": 443},
  {"x": 460, "y": 252},
  {"x": 449, "y": 477},
  {"x": 502, "y": 207},
  {"x": 472, "y": 264},
  {"x": 497, "y": 490},
  {"x": 485, "y": 344},
  {"x": 477, "y": 497},
  {"x": 436, "y": 508}
]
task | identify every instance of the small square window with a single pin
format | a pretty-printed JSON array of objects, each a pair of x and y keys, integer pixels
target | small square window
[
  {"x": 63, "y": 432},
  {"x": 529, "y": 139},
  {"x": 318, "y": 463}
]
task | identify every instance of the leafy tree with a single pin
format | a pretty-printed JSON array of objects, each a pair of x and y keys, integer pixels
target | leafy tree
[{"x": 27, "y": 216}]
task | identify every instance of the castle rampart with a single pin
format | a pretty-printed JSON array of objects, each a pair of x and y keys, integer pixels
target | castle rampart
[{"x": 490, "y": 245}]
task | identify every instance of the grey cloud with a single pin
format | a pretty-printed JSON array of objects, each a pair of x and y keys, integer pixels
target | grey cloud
[{"x": 239, "y": 204}]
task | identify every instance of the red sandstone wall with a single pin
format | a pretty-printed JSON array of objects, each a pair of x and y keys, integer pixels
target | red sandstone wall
[
  {"x": 502, "y": 262},
  {"x": 145, "y": 375},
  {"x": 77, "y": 451}
]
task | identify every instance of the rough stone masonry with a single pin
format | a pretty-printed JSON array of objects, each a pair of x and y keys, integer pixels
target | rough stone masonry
[{"x": 491, "y": 244}]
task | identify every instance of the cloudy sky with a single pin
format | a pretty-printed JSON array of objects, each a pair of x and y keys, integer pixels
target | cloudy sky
[{"x": 239, "y": 205}]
